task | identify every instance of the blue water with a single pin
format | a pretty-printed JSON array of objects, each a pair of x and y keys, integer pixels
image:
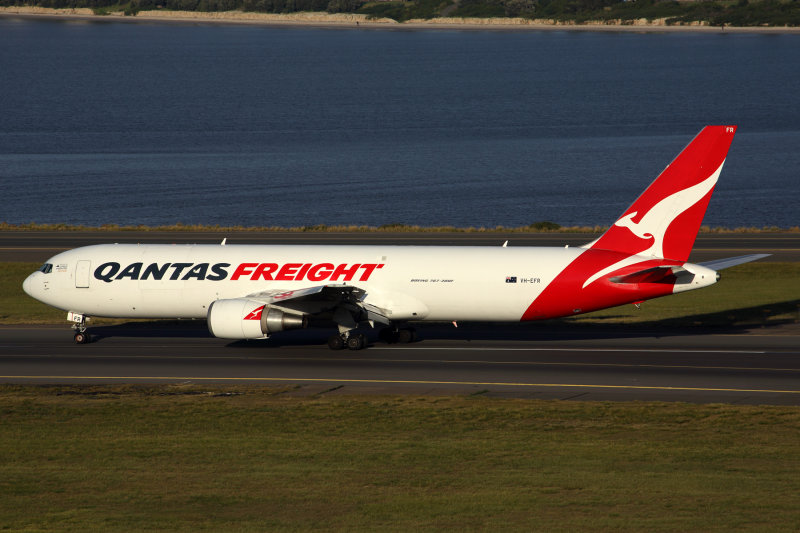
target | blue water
[{"x": 145, "y": 123}]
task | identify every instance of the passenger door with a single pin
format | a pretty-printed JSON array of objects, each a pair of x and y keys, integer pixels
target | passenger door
[{"x": 82, "y": 274}]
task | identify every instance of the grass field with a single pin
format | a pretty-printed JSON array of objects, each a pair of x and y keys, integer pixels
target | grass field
[
  {"x": 173, "y": 458},
  {"x": 184, "y": 458},
  {"x": 749, "y": 295}
]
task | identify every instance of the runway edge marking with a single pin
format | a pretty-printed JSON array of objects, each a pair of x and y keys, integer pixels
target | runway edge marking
[{"x": 410, "y": 382}]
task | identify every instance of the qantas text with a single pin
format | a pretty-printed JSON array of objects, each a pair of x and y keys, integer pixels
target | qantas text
[{"x": 315, "y": 272}]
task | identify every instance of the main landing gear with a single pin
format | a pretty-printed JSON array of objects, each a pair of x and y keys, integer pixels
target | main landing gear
[
  {"x": 354, "y": 341},
  {"x": 81, "y": 331},
  {"x": 398, "y": 335},
  {"x": 358, "y": 341}
]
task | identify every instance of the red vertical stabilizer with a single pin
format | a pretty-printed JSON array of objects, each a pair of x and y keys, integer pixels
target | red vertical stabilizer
[
  {"x": 657, "y": 231},
  {"x": 663, "y": 222}
]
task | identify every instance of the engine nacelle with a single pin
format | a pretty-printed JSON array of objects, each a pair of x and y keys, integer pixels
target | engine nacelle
[{"x": 241, "y": 318}]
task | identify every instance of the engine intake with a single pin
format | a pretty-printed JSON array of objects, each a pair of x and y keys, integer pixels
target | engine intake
[{"x": 242, "y": 318}]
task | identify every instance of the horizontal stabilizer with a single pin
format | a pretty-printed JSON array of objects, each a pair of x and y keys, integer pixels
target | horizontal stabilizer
[{"x": 719, "y": 264}]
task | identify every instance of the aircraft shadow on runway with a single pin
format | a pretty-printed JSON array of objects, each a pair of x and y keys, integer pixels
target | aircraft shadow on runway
[{"x": 729, "y": 321}]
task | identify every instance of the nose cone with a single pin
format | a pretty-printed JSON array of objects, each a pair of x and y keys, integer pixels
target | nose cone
[{"x": 28, "y": 285}]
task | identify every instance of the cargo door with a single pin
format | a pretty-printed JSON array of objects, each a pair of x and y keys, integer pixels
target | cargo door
[{"x": 82, "y": 274}]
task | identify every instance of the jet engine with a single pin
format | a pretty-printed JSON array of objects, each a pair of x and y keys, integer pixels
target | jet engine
[{"x": 241, "y": 318}]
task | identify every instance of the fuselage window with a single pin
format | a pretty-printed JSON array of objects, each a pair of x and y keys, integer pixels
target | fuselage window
[{"x": 46, "y": 268}]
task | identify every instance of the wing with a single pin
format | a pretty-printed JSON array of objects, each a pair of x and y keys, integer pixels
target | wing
[{"x": 341, "y": 300}]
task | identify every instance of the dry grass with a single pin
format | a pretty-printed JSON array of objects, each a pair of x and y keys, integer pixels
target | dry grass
[{"x": 172, "y": 458}]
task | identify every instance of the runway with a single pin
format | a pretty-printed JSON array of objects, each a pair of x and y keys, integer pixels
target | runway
[
  {"x": 41, "y": 245},
  {"x": 533, "y": 360},
  {"x": 518, "y": 360}
]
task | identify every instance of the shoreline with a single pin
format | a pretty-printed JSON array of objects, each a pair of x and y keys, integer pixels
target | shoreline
[{"x": 351, "y": 20}]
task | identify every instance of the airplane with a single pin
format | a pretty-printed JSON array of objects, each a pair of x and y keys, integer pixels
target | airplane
[{"x": 254, "y": 291}]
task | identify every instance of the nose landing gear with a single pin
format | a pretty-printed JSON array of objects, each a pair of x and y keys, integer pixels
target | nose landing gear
[
  {"x": 81, "y": 337},
  {"x": 79, "y": 325}
]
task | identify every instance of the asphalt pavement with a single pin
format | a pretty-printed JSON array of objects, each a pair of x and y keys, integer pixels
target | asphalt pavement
[
  {"x": 534, "y": 360},
  {"x": 510, "y": 360}
]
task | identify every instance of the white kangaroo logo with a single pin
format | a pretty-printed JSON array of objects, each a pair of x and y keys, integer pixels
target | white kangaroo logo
[{"x": 655, "y": 222}]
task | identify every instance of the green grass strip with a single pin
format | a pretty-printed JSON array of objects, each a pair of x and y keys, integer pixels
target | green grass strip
[
  {"x": 753, "y": 294},
  {"x": 16, "y": 307},
  {"x": 169, "y": 458}
]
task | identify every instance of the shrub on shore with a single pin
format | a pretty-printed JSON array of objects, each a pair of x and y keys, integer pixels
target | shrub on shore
[
  {"x": 536, "y": 227},
  {"x": 714, "y": 12}
]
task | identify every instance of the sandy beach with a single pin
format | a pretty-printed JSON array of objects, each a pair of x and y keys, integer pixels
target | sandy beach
[{"x": 349, "y": 20}]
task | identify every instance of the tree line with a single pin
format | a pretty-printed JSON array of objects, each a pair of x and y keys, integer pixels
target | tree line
[{"x": 714, "y": 12}]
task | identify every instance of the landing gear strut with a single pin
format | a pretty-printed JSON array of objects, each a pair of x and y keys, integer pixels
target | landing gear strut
[
  {"x": 347, "y": 317},
  {"x": 79, "y": 325}
]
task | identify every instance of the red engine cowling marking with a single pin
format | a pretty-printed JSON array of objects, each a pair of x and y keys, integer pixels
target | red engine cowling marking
[{"x": 255, "y": 314}]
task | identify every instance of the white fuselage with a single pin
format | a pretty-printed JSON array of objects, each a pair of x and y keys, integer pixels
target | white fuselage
[
  {"x": 251, "y": 291},
  {"x": 412, "y": 282}
]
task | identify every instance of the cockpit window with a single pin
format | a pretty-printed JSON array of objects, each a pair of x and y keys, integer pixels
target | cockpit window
[{"x": 46, "y": 268}]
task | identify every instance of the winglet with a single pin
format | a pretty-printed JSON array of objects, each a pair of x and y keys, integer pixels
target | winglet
[{"x": 663, "y": 222}]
